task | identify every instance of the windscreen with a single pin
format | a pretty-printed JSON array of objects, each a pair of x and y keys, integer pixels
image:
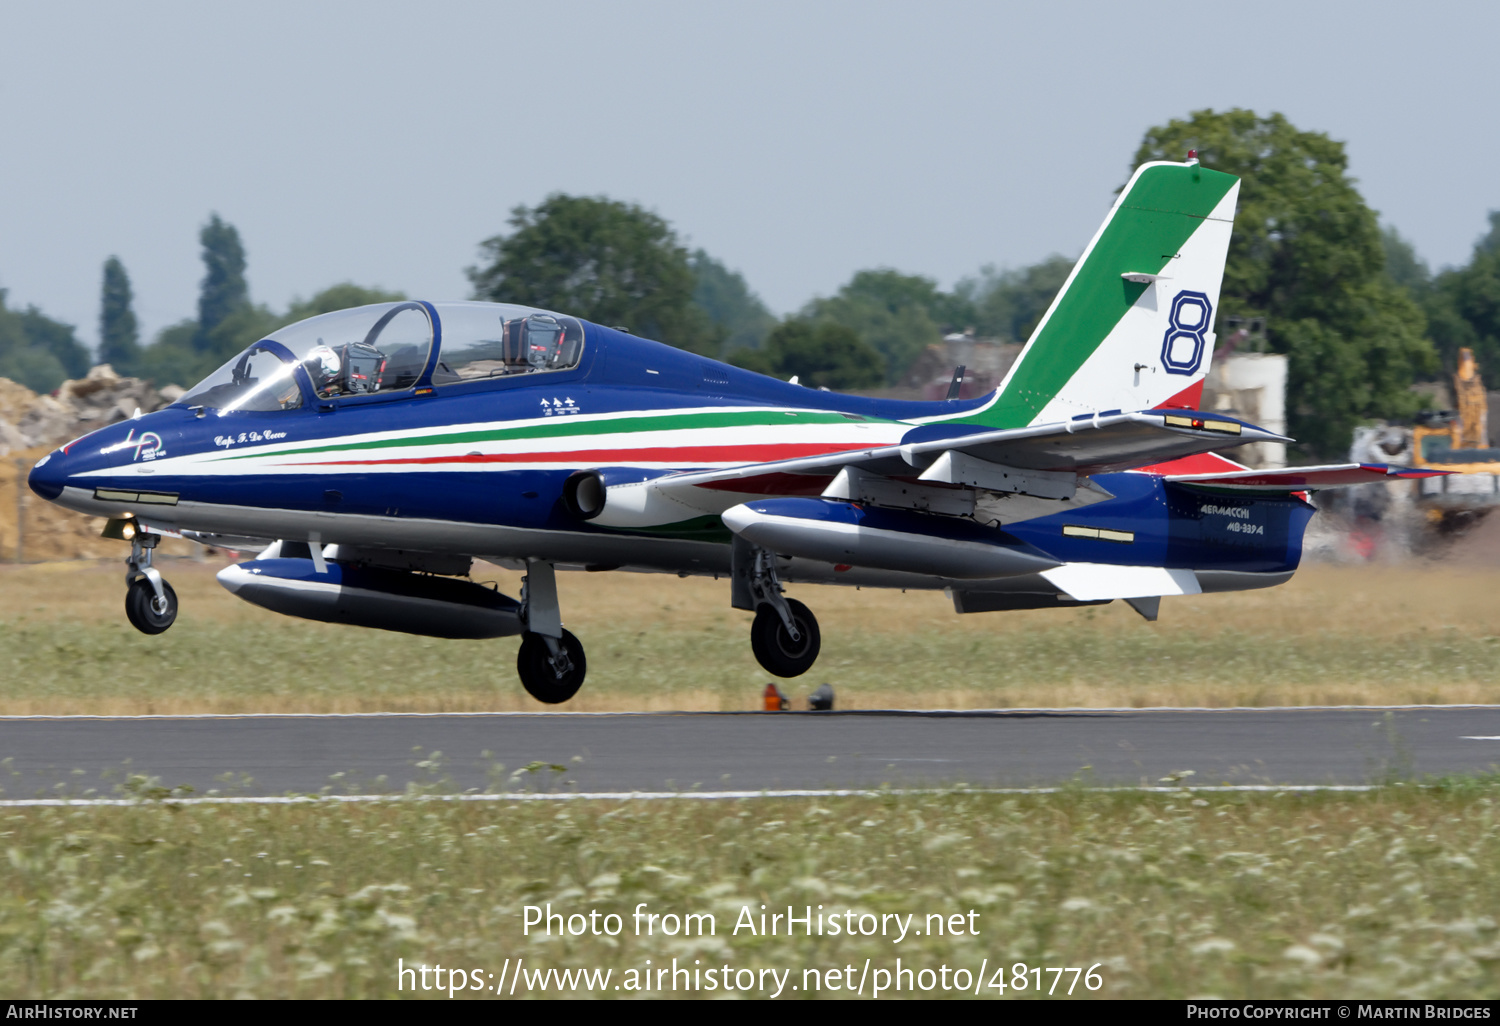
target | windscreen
[{"x": 368, "y": 350}]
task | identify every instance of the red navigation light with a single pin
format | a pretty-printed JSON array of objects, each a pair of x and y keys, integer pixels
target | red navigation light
[{"x": 1192, "y": 154}]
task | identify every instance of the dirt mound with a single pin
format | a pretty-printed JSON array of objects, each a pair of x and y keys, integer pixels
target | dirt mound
[{"x": 33, "y": 425}]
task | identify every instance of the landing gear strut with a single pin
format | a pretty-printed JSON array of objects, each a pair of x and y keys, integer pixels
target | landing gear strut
[
  {"x": 551, "y": 662},
  {"x": 785, "y": 636},
  {"x": 150, "y": 602}
]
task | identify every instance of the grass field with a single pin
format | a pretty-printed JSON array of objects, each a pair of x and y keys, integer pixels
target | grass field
[
  {"x": 1334, "y": 635},
  {"x": 1390, "y": 893}
]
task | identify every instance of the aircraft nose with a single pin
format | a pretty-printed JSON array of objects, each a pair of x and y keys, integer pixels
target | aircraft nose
[{"x": 49, "y": 475}]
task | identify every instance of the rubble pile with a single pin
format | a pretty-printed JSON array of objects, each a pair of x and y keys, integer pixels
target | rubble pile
[
  {"x": 33, "y": 425},
  {"x": 100, "y": 398}
]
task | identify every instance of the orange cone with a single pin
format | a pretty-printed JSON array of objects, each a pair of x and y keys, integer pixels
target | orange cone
[{"x": 775, "y": 700}]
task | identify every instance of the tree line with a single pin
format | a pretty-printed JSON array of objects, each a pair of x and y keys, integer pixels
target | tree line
[
  {"x": 1359, "y": 316},
  {"x": 41, "y": 353},
  {"x": 615, "y": 263}
]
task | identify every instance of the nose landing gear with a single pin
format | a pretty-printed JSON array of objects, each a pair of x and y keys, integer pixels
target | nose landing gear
[{"x": 150, "y": 602}]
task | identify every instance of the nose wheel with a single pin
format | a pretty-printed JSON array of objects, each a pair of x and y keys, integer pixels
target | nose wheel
[
  {"x": 150, "y": 602},
  {"x": 148, "y": 612}
]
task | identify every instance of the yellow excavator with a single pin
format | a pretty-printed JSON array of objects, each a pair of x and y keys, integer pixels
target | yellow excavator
[{"x": 1458, "y": 441}]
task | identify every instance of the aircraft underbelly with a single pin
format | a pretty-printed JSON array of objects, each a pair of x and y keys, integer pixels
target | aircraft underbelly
[
  {"x": 633, "y": 551},
  {"x": 676, "y": 555}
]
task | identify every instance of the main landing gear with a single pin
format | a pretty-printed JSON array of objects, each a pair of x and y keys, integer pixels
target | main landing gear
[
  {"x": 150, "y": 602},
  {"x": 785, "y": 642},
  {"x": 551, "y": 662},
  {"x": 784, "y": 636}
]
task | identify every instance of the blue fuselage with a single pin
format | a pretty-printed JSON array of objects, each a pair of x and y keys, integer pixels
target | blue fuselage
[{"x": 478, "y": 467}]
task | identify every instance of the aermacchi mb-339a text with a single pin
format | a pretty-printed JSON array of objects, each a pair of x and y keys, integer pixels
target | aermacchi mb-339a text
[{"x": 371, "y": 455}]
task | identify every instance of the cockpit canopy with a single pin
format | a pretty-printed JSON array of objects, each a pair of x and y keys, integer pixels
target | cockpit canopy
[
  {"x": 385, "y": 349},
  {"x": 486, "y": 340}
]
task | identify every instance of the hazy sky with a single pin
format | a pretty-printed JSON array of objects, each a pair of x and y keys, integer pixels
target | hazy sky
[{"x": 379, "y": 142}]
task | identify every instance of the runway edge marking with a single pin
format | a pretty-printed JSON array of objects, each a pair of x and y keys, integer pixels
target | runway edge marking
[{"x": 367, "y": 799}]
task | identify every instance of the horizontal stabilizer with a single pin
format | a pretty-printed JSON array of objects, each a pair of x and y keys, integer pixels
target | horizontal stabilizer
[
  {"x": 1300, "y": 479},
  {"x": 1089, "y": 582},
  {"x": 1098, "y": 443}
]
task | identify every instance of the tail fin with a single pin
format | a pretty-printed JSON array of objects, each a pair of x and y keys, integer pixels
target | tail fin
[{"x": 1132, "y": 328}]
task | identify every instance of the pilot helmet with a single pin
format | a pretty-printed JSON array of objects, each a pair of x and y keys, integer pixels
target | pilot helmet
[{"x": 322, "y": 365}]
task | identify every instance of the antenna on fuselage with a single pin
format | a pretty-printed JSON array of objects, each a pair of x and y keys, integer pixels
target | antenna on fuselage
[{"x": 957, "y": 383}]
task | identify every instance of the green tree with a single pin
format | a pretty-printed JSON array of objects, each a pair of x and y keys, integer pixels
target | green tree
[
  {"x": 223, "y": 291},
  {"x": 1463, "y": 306},
  {"x": 338, "y": 297},
  {"x": 227, "y": 322},
  {"x": 119, "y": 335},
  {"x": 897, "y": 314},
  {"x": 606, "y": 261},
  {"x": 56, "y": 338},
  {"x": 1402, "y": 263},
  {"x": 1307, "y": 254},
  {"x": 1490, "y": 241},
  {"x": 37, "y": 351},
  {"x": 723, "y": 295},
  {"x": 821, "y": 354},
  {"x": 174, "y": 358},
  {"x": 35, "y": 368},
  {"x": 1009, "y": 304}
]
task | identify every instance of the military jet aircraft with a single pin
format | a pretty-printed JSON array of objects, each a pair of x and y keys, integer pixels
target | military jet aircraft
[{"x": 372, "y": 454}]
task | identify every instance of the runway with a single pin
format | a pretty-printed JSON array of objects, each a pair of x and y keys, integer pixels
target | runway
[{"x": 706, "y": 752}]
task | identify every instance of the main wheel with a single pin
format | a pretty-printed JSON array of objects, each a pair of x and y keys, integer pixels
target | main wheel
[
  {"x": 147, "y": 613},
  {"x": 548, "y": 680},
  {"x": 773, "y": 645}
]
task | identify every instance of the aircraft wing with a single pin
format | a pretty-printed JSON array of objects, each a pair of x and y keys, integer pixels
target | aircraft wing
[
  {"x": 1086, "y": 445},
  {"x": 1046, "y": 460},
  {"x": 1302, "y": 479}
]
